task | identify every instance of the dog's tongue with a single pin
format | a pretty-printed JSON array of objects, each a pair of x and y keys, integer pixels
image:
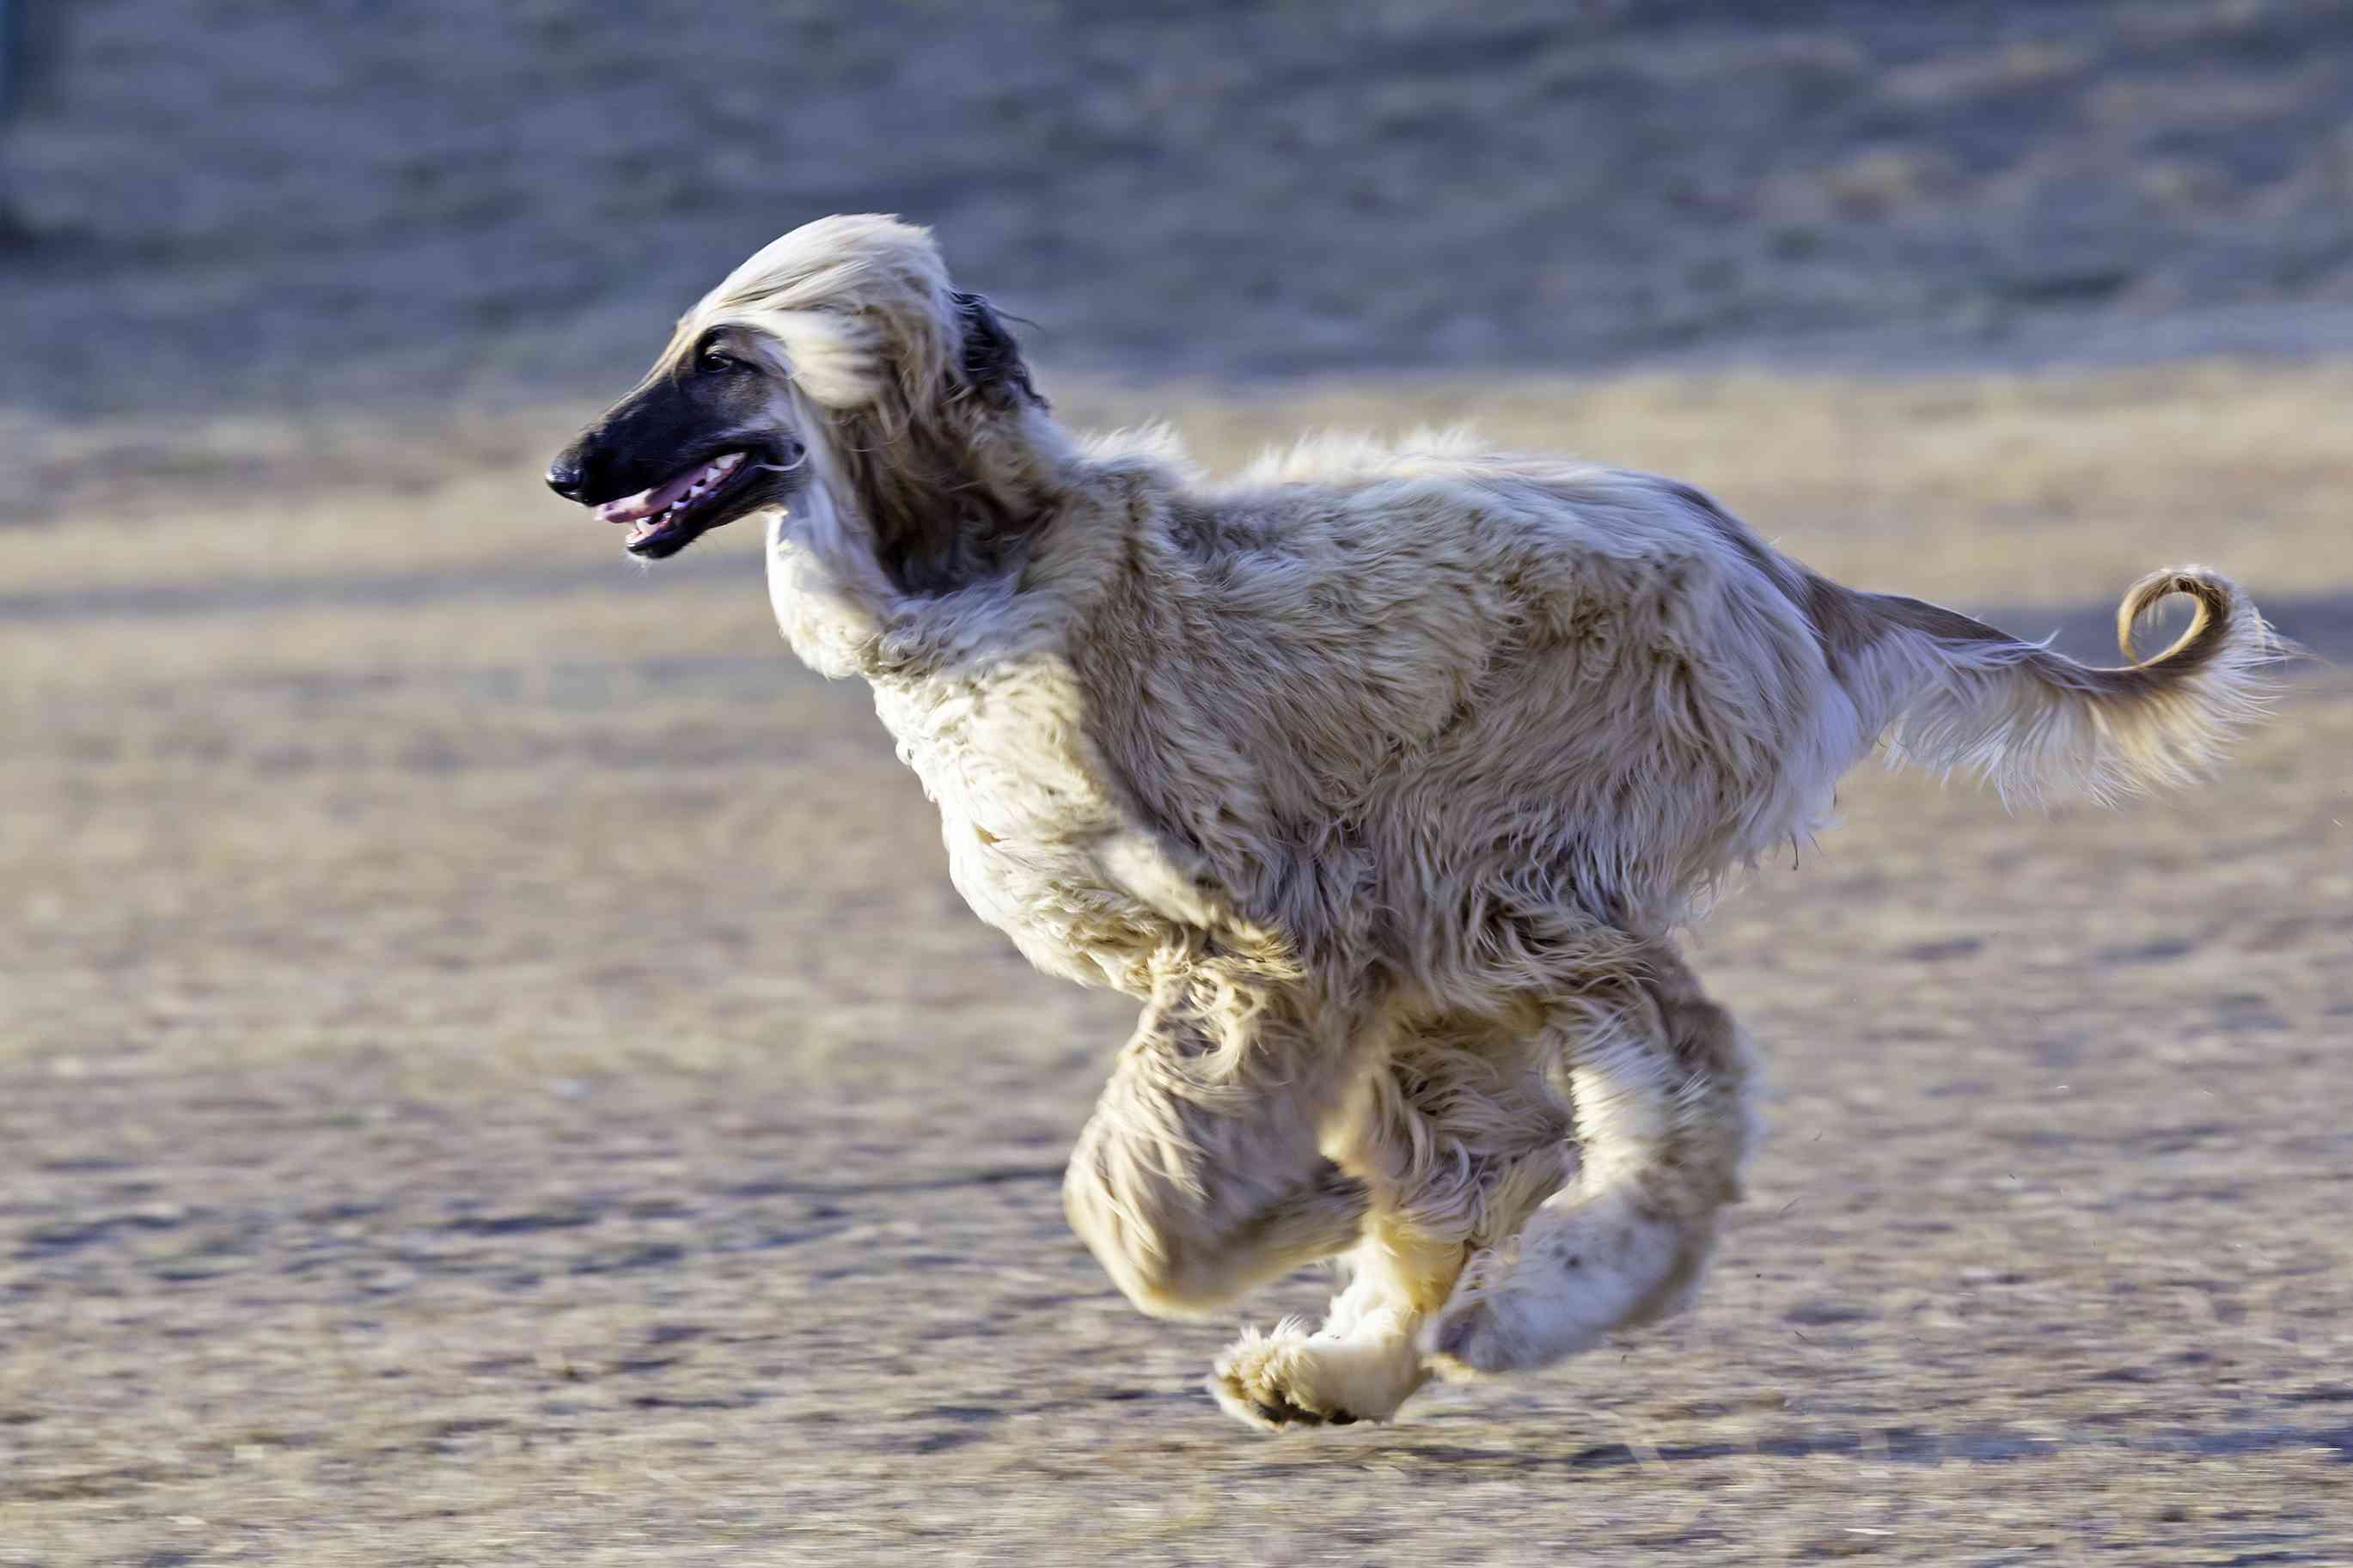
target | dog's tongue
[{"x": 644, "y": 503}]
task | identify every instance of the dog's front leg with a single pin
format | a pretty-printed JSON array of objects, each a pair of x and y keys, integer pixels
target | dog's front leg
[
  {"x": 1199, "y": 1175},
  {"x": 1363, "y": 1362}
]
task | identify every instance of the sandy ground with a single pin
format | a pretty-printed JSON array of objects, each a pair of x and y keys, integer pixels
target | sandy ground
[{"x": 493, "y": 1070}]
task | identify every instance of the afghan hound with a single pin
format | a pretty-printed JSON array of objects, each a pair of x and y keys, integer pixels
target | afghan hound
[{"x": 1383, "y": 777}]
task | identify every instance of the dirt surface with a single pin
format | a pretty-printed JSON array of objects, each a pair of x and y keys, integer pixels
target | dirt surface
[{"x": 493, "y": 1070}]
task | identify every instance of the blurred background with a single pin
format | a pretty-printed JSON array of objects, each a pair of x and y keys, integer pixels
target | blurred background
[{"x": 491, "y": 1065}]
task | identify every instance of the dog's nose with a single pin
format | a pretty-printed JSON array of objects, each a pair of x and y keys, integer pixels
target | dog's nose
[{"x": 567, "y": 476}]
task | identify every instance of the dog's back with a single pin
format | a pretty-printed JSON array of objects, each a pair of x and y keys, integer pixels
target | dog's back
[
  {"x": 1385, "y": 677},
  {"x": 1401, "y": 680}
]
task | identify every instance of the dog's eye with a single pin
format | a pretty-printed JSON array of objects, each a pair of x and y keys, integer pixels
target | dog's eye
[{"x": 715, "y": 360}]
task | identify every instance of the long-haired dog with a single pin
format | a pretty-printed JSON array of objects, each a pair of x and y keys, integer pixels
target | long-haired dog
[{"x": 1381, "y": 777}]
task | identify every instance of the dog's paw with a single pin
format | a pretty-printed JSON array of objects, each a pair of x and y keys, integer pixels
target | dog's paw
[
  {"x": 1468, "y": 1340},
  {"x": 1293, "y": 1378},
  {"x": 1268, "y": 1381},
  {"x": 1485, "y": 1334}
]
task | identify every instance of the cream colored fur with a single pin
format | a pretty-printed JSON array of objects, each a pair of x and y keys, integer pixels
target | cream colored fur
[{"x": 1383, "y": 777}]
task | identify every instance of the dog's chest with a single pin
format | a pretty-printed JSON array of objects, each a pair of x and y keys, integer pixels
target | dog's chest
[{"x": 1039, "y": 843}]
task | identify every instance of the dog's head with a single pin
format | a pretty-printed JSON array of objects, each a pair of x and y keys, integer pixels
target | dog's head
[{"x": 836, "y": 341}]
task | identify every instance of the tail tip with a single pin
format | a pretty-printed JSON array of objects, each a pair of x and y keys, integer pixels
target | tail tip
[{"x": 2219, "y": 604}]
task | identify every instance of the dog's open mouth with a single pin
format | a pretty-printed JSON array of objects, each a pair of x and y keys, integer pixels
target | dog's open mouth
[{"x": 668, "y": 518}]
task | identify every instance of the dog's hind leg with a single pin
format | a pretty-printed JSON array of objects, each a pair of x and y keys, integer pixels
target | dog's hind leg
[{"x": 1660, "y": 1077}]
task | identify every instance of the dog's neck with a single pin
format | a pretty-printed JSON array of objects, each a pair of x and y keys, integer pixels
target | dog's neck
[
  {"x": 925, "y": 553},
  {"x": 953, "y": 502}
]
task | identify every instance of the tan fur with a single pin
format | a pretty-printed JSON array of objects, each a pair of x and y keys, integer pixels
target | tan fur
[{"x": 1383, "y": 776}]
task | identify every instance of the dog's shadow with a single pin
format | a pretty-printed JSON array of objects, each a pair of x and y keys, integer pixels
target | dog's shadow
[{"x": 1892, "y": 1445}]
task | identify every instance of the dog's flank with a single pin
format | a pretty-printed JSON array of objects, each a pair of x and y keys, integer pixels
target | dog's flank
[{"x": 1383, "y": 775}]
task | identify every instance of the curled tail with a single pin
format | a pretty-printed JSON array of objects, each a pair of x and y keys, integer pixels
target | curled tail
[{"x": 1954, "y": 693}]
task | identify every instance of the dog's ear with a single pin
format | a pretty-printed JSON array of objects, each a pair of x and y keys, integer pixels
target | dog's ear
[{"x": 992, "y": 356}]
